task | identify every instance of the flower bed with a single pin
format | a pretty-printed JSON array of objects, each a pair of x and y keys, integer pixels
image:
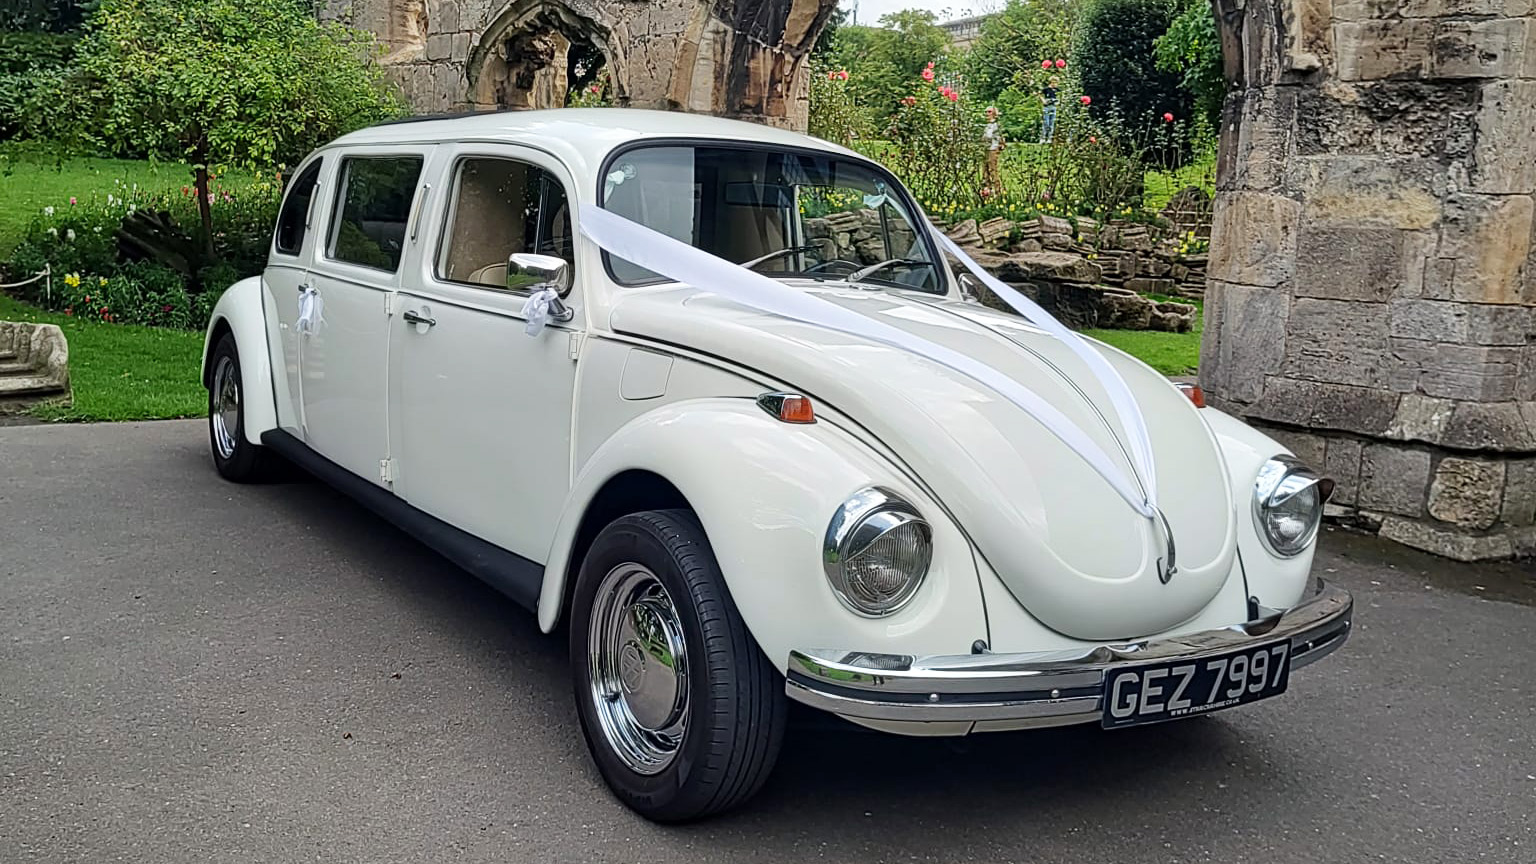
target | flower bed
[{"x": 135, "y": 256}]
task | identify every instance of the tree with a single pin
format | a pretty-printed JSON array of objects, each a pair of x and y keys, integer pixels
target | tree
[
  {"x": 1014, "y": 41},
  {"x": 1115, "y": 62},
  {"x": 885, "y": 62},
  {"x": 1192, "y": 49},
  {"x": 248, "y": 83}
]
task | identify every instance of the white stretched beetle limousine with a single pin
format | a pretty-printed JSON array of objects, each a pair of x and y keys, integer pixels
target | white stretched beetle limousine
[{"x": 712, "y": 395}]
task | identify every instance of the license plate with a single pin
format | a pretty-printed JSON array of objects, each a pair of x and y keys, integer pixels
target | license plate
[{"x": 1167, "y": 691}]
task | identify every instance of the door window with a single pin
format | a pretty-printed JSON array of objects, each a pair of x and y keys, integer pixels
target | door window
[
  {"x": 501, "y": 207},
  {"x": 373, "y": 210},
  {"x": 293, "y": 219}
]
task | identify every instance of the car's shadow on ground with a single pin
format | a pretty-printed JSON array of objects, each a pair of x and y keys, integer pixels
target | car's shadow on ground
[{"x": 831, "y": 776}]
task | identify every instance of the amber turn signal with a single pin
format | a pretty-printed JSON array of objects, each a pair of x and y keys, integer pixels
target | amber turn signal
[
  {"x": 1195, "y": 394},
  {"x": 788, "y": 407}
]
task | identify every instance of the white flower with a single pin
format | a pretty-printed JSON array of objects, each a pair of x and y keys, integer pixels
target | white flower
[
  {"x": 131, "y": 208},
  {"x": 110, "y": 200},
  {"x": 48, "y": 211},
  {"x": 97, "y": 229},
  {"x": 53, "y": 232},
  {"x": 70, "y": 235}
]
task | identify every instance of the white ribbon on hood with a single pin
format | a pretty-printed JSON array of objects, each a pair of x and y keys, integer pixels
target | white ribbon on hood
[{"x": 681, "y": 262}]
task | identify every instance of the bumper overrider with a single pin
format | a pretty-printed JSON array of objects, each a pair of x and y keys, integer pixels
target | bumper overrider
[{"x": 1049, "y": 688}]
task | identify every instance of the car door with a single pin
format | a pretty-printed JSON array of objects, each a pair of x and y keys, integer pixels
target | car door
[
  {"x": 286, "y": 276},
  {"x": 345, "y": 327},
  {"x": 481, "y": 410}
]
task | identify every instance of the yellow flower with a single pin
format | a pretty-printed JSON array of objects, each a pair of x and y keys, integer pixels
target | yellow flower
[
  {"x": 72, "y": 280},
  {"x": 101, "y": 280}
]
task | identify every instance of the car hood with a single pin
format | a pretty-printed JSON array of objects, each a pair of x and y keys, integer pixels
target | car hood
[{"x": 1069, "y": 548}]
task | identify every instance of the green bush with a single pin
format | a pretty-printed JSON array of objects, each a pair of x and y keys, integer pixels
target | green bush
[
  {"x": 1192, "y": 48},
  {"x": 56, "y": 16},
  {"x": 936, "y": 138},
  {"x": 1115, "y": 61},
  {"x": 834, "y": 114},
  {"x": 1015, "y": 41},
  {"x": 29, "y": 64}
]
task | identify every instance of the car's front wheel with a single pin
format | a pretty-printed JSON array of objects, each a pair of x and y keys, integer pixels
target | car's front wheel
[
  {"x": 235, "y": 458},
  {"x": 681, "y": 709}
]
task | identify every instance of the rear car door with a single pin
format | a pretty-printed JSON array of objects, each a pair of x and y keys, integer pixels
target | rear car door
[
  {"x": 344, "y": 343},
  {"x": 286, "y": 275},
  {"x": 480, "y": 410}
]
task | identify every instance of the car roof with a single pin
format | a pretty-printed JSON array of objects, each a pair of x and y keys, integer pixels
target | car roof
[{"x": 583, "y": 136}]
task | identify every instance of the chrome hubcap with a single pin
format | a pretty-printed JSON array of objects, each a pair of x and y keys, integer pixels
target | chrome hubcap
[
  {"x": 225, "y": 415},
  {"x": 638, "y": 668}
]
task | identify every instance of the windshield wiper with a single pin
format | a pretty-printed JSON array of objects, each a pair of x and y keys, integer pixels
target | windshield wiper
[
  {"x": 864, "y": 273},
  {"x": 788, "y": 250}
]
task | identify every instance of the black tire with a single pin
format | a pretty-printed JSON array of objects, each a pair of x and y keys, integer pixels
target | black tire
[
  {"x": 238, "y": 459},
  {"x": 735, "y": 708}
]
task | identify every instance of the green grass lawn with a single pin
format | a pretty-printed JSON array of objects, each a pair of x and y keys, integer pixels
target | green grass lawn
[
  {"x": 1168, "y": 353},
  {"x": 1161, "y": 186},
  {"x": 32, "y": 177},
  {"x": 120, "y": 372}
]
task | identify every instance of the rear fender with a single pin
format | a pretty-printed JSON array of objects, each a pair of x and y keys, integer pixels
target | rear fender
[
  {"x": 240, "y": 312},
  {"x": 765, "y": 492}
]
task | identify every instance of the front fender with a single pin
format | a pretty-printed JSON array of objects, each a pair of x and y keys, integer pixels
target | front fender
[
  {"x": 240, "y": 310},
  {"x": 1277, "y": 582},
  {"x": 764, "y": 492}
]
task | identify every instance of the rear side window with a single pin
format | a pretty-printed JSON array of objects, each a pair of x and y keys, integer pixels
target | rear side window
[
  {"x": 373, "y": 209},
  {"x": 293, "y": 220}
]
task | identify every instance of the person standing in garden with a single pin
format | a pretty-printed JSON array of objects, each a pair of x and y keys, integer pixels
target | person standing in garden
[
  {"x": 993, "y": 134},
  {"x": 1048, "y": 116}
]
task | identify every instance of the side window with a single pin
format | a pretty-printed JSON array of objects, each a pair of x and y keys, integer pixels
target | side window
[
  {"x": 501, "y": 207},
  {"x": 293, "y": 219},
  {"x": 373, "y": 210}
]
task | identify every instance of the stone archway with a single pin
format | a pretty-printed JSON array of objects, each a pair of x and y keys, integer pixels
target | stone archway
[
  {"x": 533, "y": 53},
  {"x": 735, "y": 58},
  {"x": 1372, "y": 294}
]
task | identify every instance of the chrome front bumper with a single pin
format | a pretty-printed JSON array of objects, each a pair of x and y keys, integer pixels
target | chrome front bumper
[{"x": 1051, "y": 688}]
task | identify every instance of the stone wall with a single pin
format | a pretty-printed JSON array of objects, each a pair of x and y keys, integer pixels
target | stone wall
[
  {"x": 736, "y": 58},
  {"x": 1089, "y": 274},
  {"x": 1372, "y": 280}
]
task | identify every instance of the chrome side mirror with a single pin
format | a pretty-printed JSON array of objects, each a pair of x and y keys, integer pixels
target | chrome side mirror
[{"x": 527, "y": 272}]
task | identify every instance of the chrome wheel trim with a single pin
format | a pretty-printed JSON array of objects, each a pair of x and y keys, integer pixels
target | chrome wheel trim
[
  {"x": 225, "y": 415},
  {"x": 637, "y": 665}
]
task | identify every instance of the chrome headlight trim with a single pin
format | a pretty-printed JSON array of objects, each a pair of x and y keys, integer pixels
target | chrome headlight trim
[
  {"x": 867, "y": 516},
  {"x": 1279, "y": 481}
]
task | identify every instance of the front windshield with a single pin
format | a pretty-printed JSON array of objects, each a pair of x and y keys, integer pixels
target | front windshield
[{"x": 781, "y": 213}]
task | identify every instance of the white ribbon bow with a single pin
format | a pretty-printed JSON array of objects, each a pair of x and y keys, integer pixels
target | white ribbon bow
[
  {"x": 536, "y": 310},
  {"x": 683, "y": 263},
  {"x": 311, "y": 310}
]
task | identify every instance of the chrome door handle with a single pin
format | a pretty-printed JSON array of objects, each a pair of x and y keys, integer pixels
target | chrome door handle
[{"x": 413, "y": 318}]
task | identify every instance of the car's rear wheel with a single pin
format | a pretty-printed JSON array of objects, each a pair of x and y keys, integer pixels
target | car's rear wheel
[
  {"x": 682, "y": 711},
  {"x": 235, "y": 458}
]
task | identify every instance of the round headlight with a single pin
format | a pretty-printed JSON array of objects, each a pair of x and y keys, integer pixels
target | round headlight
[
  {"x": 1288, "y": 500},
  {"x": 877, "y": 552}
]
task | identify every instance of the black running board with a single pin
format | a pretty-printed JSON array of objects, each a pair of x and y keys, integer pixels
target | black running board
[{"x": 507, "y": 572}]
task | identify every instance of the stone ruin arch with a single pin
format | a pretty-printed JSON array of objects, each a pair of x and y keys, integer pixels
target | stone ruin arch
[
  {"x": 524, "y": 57},
  {"x": 736, "y": 58}
]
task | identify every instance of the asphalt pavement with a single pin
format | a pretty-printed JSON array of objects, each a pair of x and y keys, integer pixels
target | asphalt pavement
[{"x": 194, "y": 671}]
